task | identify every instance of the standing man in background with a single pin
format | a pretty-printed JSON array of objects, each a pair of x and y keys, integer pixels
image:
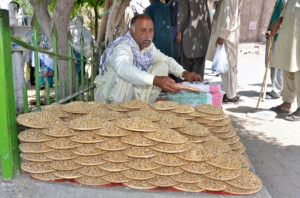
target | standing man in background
[
  {"x": 286, "y": 57},
  {"x": 194, "y": 26},
  {"x": 276, "y": 74},
  {"x": 160, "y": 13},
  {"x": 226, "y": 31}
]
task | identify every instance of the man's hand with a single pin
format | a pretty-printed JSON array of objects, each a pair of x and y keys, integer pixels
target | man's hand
[
  {"x": 192, "y": 76},
  {"x": 179, "y": 37},
  {"x": 274, "y": 27},
  {"x": 220, "y": 41},
  {"x": 165, "y": 83}
]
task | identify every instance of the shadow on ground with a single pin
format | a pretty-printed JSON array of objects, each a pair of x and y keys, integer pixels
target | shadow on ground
[{"x": 275, "y": 164}]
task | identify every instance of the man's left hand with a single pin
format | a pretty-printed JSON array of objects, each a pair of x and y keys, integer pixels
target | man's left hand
[{"x": 191, "y": 77}]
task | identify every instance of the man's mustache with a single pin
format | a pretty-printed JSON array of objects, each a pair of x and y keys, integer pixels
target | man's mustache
[{"x": 147, "y": 39}]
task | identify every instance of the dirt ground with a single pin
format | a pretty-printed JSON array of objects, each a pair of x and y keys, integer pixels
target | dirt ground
[{"x": 272, "y": 146}]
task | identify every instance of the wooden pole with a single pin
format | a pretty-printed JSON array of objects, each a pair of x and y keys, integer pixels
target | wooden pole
[{"x": 263, "y": 87}]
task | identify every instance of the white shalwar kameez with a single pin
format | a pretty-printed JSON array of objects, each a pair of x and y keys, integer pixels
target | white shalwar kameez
[
  {"x": 124, "y": 81},
  {"x": 226, "y": 25}
]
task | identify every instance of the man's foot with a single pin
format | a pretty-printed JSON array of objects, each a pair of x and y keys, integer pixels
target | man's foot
[
  {"x": 234, "y": 99},
  {"x": 280, "y": 110},
  {"x": 293, "y": 117},
  {"x": 272, "y": 95}
]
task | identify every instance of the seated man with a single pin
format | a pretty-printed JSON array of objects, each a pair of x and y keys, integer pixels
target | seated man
[{"x": 132, "y": 68}]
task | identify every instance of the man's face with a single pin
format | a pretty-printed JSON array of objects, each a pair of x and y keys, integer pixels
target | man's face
[{"x": 143, "y": 34}]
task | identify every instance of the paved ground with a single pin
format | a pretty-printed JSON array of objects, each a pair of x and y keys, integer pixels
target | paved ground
[{"x": 273, "y": 147}]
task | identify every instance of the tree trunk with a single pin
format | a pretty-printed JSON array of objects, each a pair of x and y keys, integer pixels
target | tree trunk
[
  {"x": 60, "y": 19},
  {"x": 116, "y": 26},
  {"x": 102, "y": 28},
  {"x": 44, "y": 19}
]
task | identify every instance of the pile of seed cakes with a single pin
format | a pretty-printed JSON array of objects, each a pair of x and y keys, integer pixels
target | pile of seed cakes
[{"x": 141, "y": 146}]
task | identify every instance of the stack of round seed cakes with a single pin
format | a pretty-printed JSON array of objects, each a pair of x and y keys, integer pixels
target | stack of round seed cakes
[{"x": 141, "y": 146}]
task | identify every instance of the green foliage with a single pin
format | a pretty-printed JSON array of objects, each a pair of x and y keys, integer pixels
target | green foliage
[
  {"x": 79, "y": 4},
  {"x": 26, "y": 6}
]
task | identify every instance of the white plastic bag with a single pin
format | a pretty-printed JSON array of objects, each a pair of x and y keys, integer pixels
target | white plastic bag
[{"x": 220, "y": 62}]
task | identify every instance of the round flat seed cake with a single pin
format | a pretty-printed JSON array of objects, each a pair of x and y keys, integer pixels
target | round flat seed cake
[
  {"x": 87, "y": 150},
  {"x": 90, "y": 160},
  {"x": 62, "y": 143},
  {"x": 41, "y": 120},
  {"x": 167, "y": 170},
  {"x": 37, "y": 167},
  {"x": 64, "y": 154},
  {"x": 71, "y": 174},
  {"x": 110, "y": 130},
  {"x": 188, "y": 178},
  {"x": 172, "y": 122},
  {"x": 78, "y": 107},
  {"x": 194, "y": 129},
  {"x": 169, "y": 160},
  {"x": 35, "y": 157},
  {"x": 133, "y": 174},
  {"x": 212, "y": 185},
  {"x": 171, "y": 148},
  {"x": 143, "y": 164},
  {"x": 137, "y": 124},
  {"x": 188, "y": 187},
  {"x": 92, "y": 181},
  {"x": 228, "y": 161},
  {"x": 59, "y": 131},
  {"x": 133, "y": 104},
  {"x": 166, "y": 136},
  {"x": 198, "y": 167},
  {"x": 92, "y": 171},
  {"x": 246, "y": 180},
  {"x": 116, "y": 107},
  {"x": 86, "y": 123},
  {"x": 141, "y": 185},
  {"x": 197, "y": 153},
  {"x": 33, "y": 135},
  {"x": 34, "y": 147},
  {"x": 112, "y": 144},
  {"x": 114, "y": 167},
  {"x": 184, "y": 109},
  {"x": 209, "y": 109},
  {"x": 223, "y": 174},
  {"x": 136, "y": 139},
  {"x": 116, "y": 177},
  {"x": 115, "y": 156},
  {"x": 45, "y": 176},
  {"x": 86, "y": 137},
  {"x": 64, "y": 165},
  {"x": 164, "y": 105},
  {"x": 140, "y": 152},
  {"x": 162, "y": 181}
]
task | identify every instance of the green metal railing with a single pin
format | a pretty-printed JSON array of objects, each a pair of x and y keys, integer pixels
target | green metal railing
[{"x": 9, "y": 151}]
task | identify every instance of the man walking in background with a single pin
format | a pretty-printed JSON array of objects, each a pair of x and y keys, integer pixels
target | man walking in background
[
  {"x": 226, "y": 31},
  {"x": 194, "y": 26}
]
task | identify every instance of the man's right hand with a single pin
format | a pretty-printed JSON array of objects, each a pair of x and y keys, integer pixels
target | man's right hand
[
  {"x": 179, "y": 37},
  {"x": 274, "y": 27},
  {"x": 165, "y": 83}
]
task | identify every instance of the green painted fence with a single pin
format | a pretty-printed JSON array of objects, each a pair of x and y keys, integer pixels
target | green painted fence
[{"x": 9, "y": 151}]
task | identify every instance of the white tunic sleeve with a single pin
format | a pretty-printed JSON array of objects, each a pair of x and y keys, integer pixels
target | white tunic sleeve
[
  {"x": 121, "y": 60},
  {"x": 174, "y": 67}
]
